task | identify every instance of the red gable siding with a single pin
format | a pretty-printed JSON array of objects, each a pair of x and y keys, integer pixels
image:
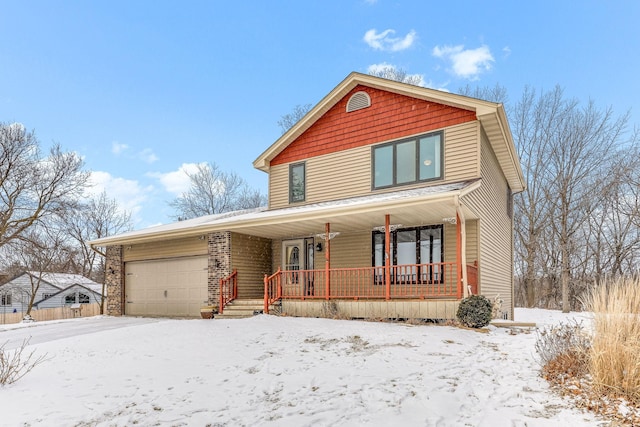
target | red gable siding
[{"x": 390, "y": 116}]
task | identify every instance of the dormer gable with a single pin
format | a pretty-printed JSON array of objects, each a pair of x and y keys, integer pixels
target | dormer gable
[
  {"x": 328, "y": 127},
  {"x": 389, "y": 116}
]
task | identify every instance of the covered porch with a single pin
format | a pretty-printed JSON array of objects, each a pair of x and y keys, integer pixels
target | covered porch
[{"x": 314, "y": 258}]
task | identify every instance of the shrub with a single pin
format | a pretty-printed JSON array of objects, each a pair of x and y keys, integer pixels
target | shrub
[
  {"x": 475, "y": 311},
  {"x": 614, "y": 364},
  {"x": 17, "y": 363},
  {"x": 563, "y": 351}
]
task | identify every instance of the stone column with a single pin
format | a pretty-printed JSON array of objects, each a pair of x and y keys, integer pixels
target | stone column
[
  {"x": 114, "y": 281},
  {"x": 219, "y": 245}
]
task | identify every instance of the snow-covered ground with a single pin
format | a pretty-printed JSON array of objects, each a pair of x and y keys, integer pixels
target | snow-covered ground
[{"x": 282, "y": 371}]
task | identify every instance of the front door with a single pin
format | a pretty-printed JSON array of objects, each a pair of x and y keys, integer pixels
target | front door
[{"x": 297, "y": 259}]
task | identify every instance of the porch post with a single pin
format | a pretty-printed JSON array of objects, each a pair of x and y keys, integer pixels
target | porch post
[
  {"x": 387, "y": 256},
  {"x": 459, "y": 255},
  {"x": 327, "y": 261}
]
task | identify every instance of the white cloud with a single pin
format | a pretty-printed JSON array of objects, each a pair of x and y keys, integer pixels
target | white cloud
[
  {"x": 147, "y": 155},
  {"x": 386, "y": 41},
  {"x": 117, "y": 148},
  {"x": 129, "y": 194},
  {"x": 176, "y": 182},
  {"x": 467, "y": 63},
  {"x": 506, "y": 51}
]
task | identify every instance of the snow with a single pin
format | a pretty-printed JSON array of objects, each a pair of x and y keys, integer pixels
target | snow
[
  {"x": 64, "y": 280},
  {"x": 283, "y": 371}
]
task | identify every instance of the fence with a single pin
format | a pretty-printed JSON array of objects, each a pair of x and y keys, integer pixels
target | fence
[{"x": 85, "y": 310}]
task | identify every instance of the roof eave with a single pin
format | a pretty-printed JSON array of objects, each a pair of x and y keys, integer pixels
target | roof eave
[{"x": 279, "y": 216}]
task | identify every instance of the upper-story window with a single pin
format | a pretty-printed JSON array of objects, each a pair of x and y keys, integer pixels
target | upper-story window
[
  {"x": 408, "y": 161},
  {"x": 297, "y": 182}
]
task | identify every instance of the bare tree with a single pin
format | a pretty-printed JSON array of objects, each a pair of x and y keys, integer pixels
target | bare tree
[
  {"x": 98, "y": 217},
  {"x": 287, "y": 121},
  {"x": 581, "y": 151},
  {"x": 497, "y": 93},
  {"x": 563, "y": 220},
  {"x": 214, "y": 191},
  {"x": 391, "y": 72},
  {"x": 33, "y": 187},
  {"x": 38, "y": 251}
]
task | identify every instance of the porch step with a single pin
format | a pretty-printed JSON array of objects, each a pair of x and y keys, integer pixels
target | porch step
[{"x": 241, "y": 308}]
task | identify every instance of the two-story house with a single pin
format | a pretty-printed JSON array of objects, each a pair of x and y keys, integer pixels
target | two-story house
[{"x": 387, "y": 200}]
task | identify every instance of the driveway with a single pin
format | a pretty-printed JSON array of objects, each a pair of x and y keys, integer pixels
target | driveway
[{"x": 39, "y": 332}]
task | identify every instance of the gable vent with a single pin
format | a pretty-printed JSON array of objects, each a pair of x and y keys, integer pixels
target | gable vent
[{"x": 358, "y": 101}]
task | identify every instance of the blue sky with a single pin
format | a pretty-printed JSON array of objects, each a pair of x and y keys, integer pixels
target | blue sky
[{"x": 143, "y": 90}]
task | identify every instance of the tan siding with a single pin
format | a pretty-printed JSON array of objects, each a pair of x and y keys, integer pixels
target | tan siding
[
  {"x": 349, "y": 250},
  {"x": 279, "y": 186},
  {"x": 347, "y": 173},
  {"x": 251, "y": 257},
  {"x": 462, "y": 152},
  {"x": 188, "y": 246},
  {"x": 276, "y": 255},
  {"x": 490, "y": 201},
  {"x": 339, "y": 175},
  {"x": 472, "y": 241}
]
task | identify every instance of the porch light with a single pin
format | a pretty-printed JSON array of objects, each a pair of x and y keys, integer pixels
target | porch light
[
  {"x": 319, "y": 247},
  {"x": 451, "y": 220},
  {"x": 324, "y": 236},
  {"x": 392, "y": 227}
]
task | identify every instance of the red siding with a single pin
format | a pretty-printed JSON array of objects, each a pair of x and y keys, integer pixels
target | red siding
[{"x": 390, "y": 116}]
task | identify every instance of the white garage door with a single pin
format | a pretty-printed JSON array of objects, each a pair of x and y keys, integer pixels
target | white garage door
[{"x": 171, "y": 287}]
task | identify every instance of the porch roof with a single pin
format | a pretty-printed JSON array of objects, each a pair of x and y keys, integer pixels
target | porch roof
[{"x": 417, "y": 206}]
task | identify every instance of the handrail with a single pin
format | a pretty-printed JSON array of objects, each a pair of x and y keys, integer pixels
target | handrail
[
  {"x": 228, "y": 290},
  {"x": 272, "y": 289}
]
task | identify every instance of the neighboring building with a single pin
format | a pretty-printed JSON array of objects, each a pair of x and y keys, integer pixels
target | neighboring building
[
  {"x": 390, "y": 200},
  {"x": 55, "y": 290},
  {"x": 74, "y": 294}
]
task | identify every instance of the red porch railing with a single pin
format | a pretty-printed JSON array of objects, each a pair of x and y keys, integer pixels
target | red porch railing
[
  {"x": 272, "y": 289},
  {"x": 228, "y": 290},
  {"x": 417, "y": 281}
]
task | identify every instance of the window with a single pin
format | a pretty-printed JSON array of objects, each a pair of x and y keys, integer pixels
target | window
[
  {"x": 70, "y": 299},
  {"x": 418, "y": 249},
  {"x": 5, "y": 299},
  {"x": 46, "y": 295},
  {"x": 407, "y": 161},
  {"x": 83, "y": 298},
  {"x": 296, "y": 183}
]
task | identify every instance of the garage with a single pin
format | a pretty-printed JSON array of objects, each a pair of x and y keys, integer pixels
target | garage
[{"x": 175, "y": 287}]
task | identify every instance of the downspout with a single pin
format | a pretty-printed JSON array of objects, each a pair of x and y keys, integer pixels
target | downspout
[
  {"x": 97, "y": 250},
  {"x": 463, "y": 246}
]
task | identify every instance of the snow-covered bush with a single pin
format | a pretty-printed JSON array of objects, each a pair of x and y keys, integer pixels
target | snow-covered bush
[{"x": 475, "y": 311}]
